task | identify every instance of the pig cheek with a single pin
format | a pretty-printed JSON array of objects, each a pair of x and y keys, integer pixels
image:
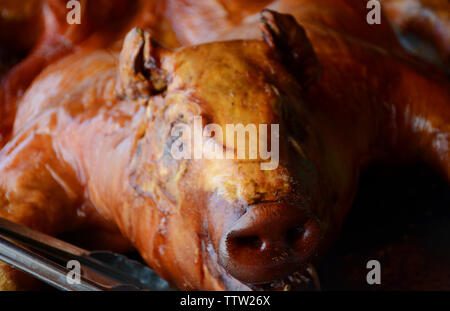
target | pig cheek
[
  {"x": 183, "y": 248},
  {"x": 220, "y": 216},
  {"x": 187, "y": 253}
]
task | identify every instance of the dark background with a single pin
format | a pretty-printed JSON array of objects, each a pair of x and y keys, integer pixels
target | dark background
[{"x": 401, "y": 217}]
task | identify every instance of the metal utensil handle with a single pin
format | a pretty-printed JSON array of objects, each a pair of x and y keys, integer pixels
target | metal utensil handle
[
  {"x": 54, "y": 248},
  {"x": 37, "y": 239},
  {"x": 41, "y": 268}
]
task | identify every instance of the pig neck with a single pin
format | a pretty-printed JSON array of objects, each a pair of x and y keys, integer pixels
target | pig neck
[{"x": 365, "y": 106}]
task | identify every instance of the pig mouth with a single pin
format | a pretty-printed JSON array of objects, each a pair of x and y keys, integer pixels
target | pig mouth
[
  {"x": 305, "y": 279},
  {"x": 302, "y": 280}
]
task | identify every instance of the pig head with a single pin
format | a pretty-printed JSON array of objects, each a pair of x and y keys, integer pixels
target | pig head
[{"x": 217, "y": 221}]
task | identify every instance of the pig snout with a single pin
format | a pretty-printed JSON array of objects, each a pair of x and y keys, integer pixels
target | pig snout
[{"x": 268, "y": 242}]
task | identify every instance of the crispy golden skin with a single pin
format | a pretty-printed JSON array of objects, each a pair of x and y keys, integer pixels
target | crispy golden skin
[{"x": 88, "y": 147}]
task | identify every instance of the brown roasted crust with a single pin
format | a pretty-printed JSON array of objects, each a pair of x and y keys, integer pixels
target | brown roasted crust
[
  {"x": 14, "y": 280},
  {"x": 89, "y": 144}
]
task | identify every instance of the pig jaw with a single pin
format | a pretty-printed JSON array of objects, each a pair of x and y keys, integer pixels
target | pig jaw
[
  {"x": 265, "y": 246},
  {"x": 261, "y": 228}
]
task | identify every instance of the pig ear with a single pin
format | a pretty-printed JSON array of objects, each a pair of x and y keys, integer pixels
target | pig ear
[
  {"x": 140, "y": 74},
  {"x": 288, "y": 38}
]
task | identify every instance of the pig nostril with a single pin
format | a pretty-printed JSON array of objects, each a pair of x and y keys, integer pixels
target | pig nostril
[
  {"x": 294, "y": 234},
  {"x": 252, "y": 242}
]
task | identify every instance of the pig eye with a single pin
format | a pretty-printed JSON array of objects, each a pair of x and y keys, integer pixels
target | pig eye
[
  {"x": 179, "y": 130},
  {"x": 169, "y": 143},
  {"x": 172, "y": 138}
]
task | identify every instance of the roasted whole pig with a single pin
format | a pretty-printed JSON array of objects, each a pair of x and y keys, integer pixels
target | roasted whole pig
[{"x": 87, "y": 117}]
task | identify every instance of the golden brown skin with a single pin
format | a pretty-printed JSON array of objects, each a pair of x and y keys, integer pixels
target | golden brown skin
[
  {"x": 89, "y": 146},
  {"x": 50, "y": 37},
  {"x": 429, "y": 19}
]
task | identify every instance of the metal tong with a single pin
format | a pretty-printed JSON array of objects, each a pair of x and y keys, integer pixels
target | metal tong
[{"x": 46, "y": 258}]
